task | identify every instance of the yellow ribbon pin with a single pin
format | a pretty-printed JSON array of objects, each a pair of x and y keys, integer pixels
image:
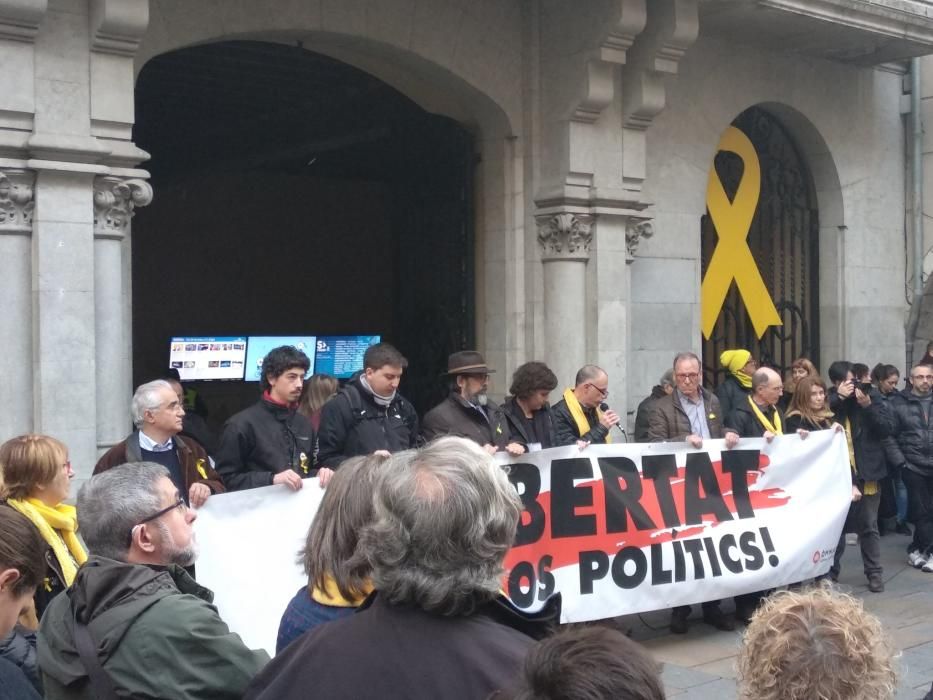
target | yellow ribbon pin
[{"x": 732, "y": 259}]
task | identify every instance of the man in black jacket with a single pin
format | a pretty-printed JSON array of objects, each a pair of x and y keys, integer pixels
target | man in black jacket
[
  {"x": 270, "y": 442},
  {"x": 467, "y": 412},
  {"x": 368, "y": 416},
  {"x": 865, "y": 415},
  {"x": 911, "y": 450},
  {"x": 578, "y": 416}
]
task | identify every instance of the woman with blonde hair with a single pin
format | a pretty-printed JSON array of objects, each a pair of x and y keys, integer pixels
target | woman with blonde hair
[
  {"x": 318, "y": 390},
  {"x": 36, "y": 479},
  {"x": 800, "y": 369}
]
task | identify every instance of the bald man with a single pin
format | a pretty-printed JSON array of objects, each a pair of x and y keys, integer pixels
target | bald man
[{"x": 758, "y": 415}]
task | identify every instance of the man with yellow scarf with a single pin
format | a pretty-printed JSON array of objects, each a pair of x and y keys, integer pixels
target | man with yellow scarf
[{"x": 579, "y": 417}]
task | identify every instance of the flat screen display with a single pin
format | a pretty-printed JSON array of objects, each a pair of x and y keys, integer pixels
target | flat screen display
[
  {"x": 341, "y": 355},
  {"x": 260, "y": 345},
  {"x": 205, "y": 358}
]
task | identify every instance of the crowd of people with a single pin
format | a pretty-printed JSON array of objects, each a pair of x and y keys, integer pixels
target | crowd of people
[{"x": 404, "y": 557}]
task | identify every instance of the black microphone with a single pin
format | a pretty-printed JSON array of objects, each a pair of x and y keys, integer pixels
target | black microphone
[{"x": 605, "y": 407}]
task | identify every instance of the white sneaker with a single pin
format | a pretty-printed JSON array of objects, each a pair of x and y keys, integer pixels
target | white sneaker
[
  {"x": 917, "y": 560},
  {"x": 928, "y": 566}
]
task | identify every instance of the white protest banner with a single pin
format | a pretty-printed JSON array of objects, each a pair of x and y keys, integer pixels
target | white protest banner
[
  {"x": 621, "y": 529},
  {"x": 249, "y": 543}
]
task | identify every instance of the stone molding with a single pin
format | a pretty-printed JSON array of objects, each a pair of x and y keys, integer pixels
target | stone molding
[
  {"x": 565, "y": 236},
  {"x": 635, "y": 231},
  {"x": 115, "y": 202},
  {"x": 20, "y": 19},
  {"x": 118, "y": 26},
  {"x": 17, "y": 201}
]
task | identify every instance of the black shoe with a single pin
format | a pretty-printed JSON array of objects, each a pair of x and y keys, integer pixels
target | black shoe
[
  {"x": 876, "y": 583},
  {"x": 903, "y": 529},
  {"x": 718, "y": 620},
  {"x": 679, "y": 624}
]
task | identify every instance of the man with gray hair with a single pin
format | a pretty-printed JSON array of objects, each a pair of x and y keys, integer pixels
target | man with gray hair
[
  {"x": 582, "y": 416},
  {"x": 134, "y": 623},
  {"x": 436, "y": 627},
  {"x": 665, "y": 387},
  {"x": 157, "y": 414}
]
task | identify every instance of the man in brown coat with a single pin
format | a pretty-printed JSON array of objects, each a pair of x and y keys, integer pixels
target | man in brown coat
[
  {"x": 690, "y": 414},
  {"x": 157, "y": 413}
]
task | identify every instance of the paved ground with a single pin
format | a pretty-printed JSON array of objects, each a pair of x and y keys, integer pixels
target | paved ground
[{"x": 701, "y": 664}]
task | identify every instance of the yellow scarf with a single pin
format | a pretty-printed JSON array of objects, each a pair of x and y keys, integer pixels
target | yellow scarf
[
  {"x": 579, "y": 417},
  {"x": 775, "y": 427},
  {"x": 869, "y": 488},
  {"x": 734, "y": 361},
  {"x": 330, "y": 595},
  {"x": 57, "y": 526}
]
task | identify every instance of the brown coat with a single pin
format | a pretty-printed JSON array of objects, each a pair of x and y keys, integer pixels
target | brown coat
[
  {"x": 189, "y": 453},
  {"x": 669, "y": 422}
]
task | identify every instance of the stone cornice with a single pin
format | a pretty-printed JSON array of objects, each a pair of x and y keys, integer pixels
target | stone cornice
[{"x": 19, "y": 19}]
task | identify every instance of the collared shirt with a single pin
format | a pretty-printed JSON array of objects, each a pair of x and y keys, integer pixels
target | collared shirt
[
  {"x": 696, "y": 414},
  {"x": 147, "y": 443}
]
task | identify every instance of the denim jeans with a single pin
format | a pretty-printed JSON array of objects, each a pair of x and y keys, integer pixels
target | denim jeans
[
  {"x": 900, "y": 497},
  {"x": 920, "y": 509}
]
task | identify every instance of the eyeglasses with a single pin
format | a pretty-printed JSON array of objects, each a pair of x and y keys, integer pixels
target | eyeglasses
[
  {"x": 180, "y": 503},
  {"x": 602, "y": 392},
  {"x": 688, "y": 376}
]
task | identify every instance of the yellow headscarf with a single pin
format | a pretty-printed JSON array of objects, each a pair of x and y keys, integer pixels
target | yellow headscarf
[{"x": 734, "y": 361}]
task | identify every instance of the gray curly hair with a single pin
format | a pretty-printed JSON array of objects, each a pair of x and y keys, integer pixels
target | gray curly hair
[{"x": 445, "y": 516}]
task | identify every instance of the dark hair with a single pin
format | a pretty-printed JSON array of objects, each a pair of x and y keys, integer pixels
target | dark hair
[
  {"x": 881, "y": 371},
  {"x": 21, "y": 548},
  {"x": 859, "y": 370},
  {"x": 838, "y": 370},
  {"x": 382, "y": 354},
  {"x": 587, "y": 663},
  {"x": 281, "y": 359},
  {"x": 172, "y": 374},
  {"x": 800, "y": 401},
  {"x": 532, "y": 377}
]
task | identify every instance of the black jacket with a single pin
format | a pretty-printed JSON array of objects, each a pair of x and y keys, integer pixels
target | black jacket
[
  {"x": 394, "y": 651},
  {"x": 911, "y": 441},
  {"x": 565, "y": 427},
  {"x": 13, "y": 683},
  {"x": 870, "y": 426},
  {"x": 261, "y": 441},
  {"x": 19, "y": 649},
  {"x": 352, "y": 424},
  {"x": 795, "y": 422},
  {"x": 731, "y": 394},
  {"x": 746, "y": 422},
  {"x": 454, "y": 416},
  {"x": 643, "y": 413},
  {"x": 541, "y": 420}
]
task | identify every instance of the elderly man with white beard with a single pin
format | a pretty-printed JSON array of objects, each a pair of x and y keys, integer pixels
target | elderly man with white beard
[{"x": 134, "y": 623}]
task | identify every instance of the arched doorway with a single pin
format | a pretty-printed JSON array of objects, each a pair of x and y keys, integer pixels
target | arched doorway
[
  {"x": 296, "y": 194},
  {"x": 784, "y": 241}
]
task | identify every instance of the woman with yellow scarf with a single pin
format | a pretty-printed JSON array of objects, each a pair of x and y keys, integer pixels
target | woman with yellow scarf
[
  {"x": 36, "y": 479},
  {"x": 737, "y": 386}
]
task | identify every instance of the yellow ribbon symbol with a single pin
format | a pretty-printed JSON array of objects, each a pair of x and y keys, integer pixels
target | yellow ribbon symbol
[{"x": 732, "y": 259}]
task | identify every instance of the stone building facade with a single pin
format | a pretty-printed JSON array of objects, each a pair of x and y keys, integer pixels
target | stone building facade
[{"x": 596, "y": 126}]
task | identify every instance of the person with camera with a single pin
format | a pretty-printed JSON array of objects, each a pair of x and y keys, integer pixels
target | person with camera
[{"x": 867, "y": 419}]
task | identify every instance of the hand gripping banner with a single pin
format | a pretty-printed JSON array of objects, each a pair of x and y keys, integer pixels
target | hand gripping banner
[
  {"x": 732, "y": 259},
  {"x": 622, "y": 529}
]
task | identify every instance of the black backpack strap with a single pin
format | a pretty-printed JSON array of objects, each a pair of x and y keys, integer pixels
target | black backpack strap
[
  {"x": 101, "y": 684},
  {"x": 356, "y": 403}
]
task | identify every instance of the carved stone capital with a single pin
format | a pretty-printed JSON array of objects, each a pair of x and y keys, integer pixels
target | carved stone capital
[
  {"x": 19, "y": 19},
  {"x": 115, "y": 202},
  {"x": 565, "y": 236},
  {"x": 635, "y": 231},
  {"x": 17, "y": 201},
  {"x": 117, "y": 26}
]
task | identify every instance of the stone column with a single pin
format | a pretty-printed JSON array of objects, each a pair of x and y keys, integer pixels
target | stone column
[
  {"x": 565, "y": 244},
  {"x": 115, "y": 200},
  {"x": 16, "y": 209}
]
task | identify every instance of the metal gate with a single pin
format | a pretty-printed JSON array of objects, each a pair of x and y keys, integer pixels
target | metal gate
[{"x": 783, "y": 239}]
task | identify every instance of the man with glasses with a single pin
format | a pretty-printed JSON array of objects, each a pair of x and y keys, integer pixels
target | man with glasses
[
  {"x": 134, "y": 623},
  {"x": 910, "y": 448},
  {"x": 467, "y": 411},
  {"x": 579, "y": 417},
  {"x": 157, "y": 413},
  {"x": 691, "y": 414}
]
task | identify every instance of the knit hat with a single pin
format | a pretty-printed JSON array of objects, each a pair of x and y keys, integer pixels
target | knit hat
[{"x": 734, "y": 360}]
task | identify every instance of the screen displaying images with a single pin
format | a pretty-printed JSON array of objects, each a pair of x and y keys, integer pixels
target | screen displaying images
[
  {"x": 260, "y": 345},
  {"x": 207, "y": 358},
  {"x": 341, "y": 355}
]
